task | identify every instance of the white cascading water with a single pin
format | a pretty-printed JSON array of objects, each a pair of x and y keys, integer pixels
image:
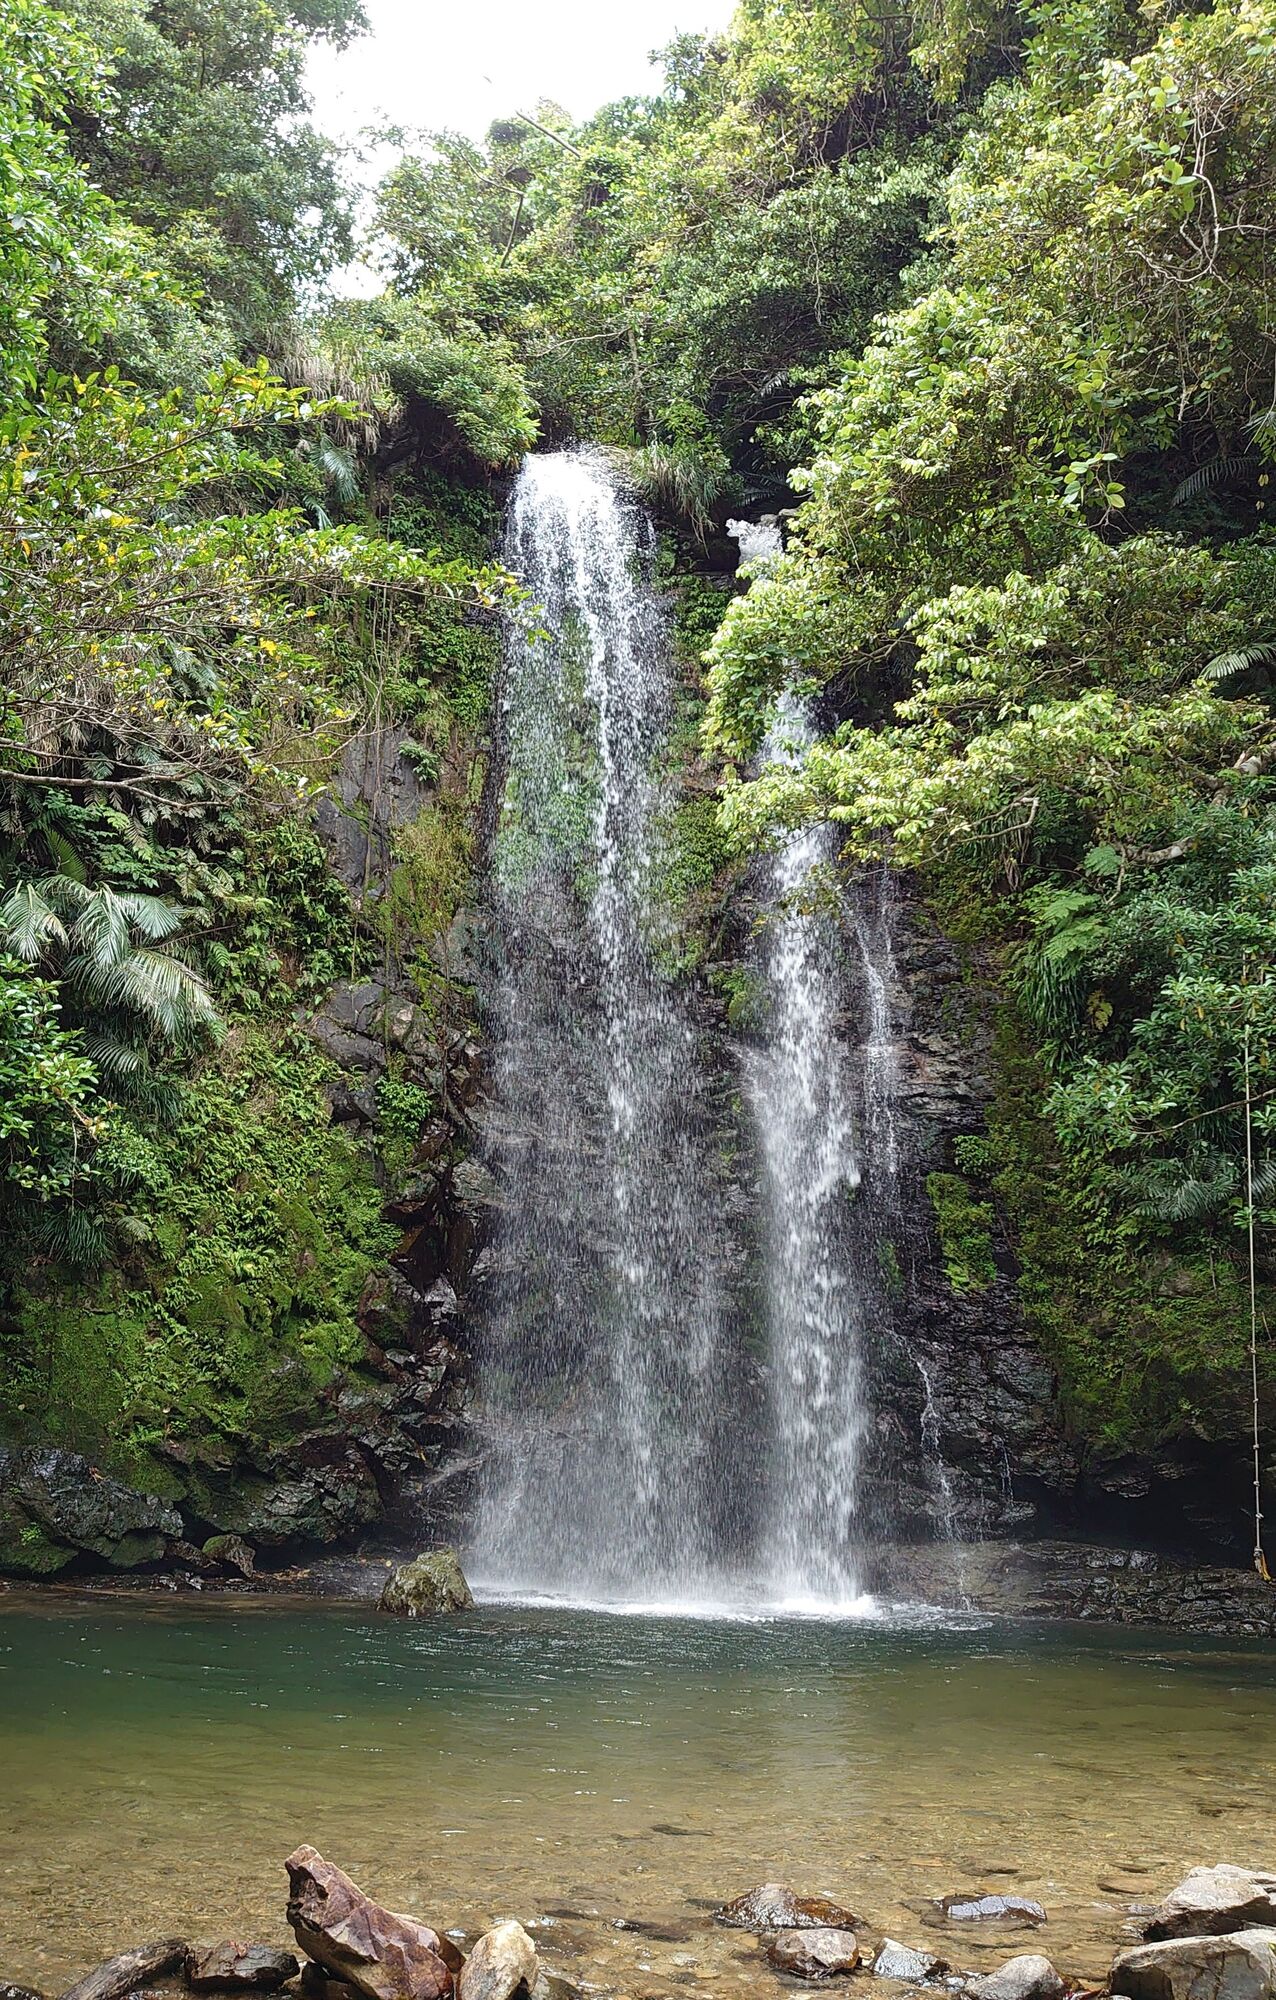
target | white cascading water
[
  {"x": 618, "y": 1468},
  {"x": 800, "y": 1093},
  {"x": 608, "y": 1453}
]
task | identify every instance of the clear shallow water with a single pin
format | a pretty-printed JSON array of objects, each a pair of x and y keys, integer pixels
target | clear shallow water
[{"x": 158, "y": 1761}]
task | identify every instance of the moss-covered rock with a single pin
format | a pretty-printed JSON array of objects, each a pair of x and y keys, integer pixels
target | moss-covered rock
[{"x": 428, "y": 1587}]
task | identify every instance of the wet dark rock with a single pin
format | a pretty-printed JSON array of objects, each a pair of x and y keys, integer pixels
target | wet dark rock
[
  {"x": 814, "y": 1953},
  {"x": 431, "y": 1586},
  {"x": 387, "y": 1957},
  {"x": 1214, "y": 1900},
  {"x": 901, "y": 1961},
  {"x": 776, "y": 1906},
  {"x": 978, "y": 1906},
  {"x": 129, "y": 1969},
  {"x": 55, "y": 1506},
  {"x": 231, "y": 1552},
  {"x": 502, "y": 1963},
  {"x": 317, "y": 1983},
  {"x": 229, "y": 1966},
  {"x": 1240, "y": 1965},
  {"x": 1028, "y": 1977},
  {"x": 8, "y": 1991},
  {"x": 1056, "y": 1579}
]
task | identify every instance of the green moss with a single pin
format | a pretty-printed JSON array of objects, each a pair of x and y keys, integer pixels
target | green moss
[
  {"x": 251, "y": 1231},
  {"x": 1149, "y": 1344},
  {"x": 965, "y": 1225}
]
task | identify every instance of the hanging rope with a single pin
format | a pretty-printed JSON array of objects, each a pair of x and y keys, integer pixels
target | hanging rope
[{"x": 1260, "y": 1559}]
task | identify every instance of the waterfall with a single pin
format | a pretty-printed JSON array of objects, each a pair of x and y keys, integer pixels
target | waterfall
[
  {"x": 599, "y": 1375},
  {"x": 616, "y": 1389},
  {"x": 800, "y": 1091}
]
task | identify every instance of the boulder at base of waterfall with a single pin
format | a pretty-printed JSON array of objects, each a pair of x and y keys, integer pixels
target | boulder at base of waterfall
[
  {"x": 1240, "y": 1965},
  {"x": 1028, "y": 1977},
  {"x": 227, "y": 1967},
  {"x": 503, "y": 1961},
  {"x": 980, "y": 1906},
  {"x": 433, "y": 1584},
  {"x": 814, "y": 1954},
  {"x": 778, "y": 1907},
  {"x": 900, "y": 1961},
  {"x": 385, "y": 1956},
  {"x": 129, "y": 1970},
  {"x": 1213, "y": 1900}
]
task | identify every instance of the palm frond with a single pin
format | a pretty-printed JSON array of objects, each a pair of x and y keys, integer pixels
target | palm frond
[
  {"x": 30, "y": 925},
  {"x": 1226, "y": 666},
  {"x": 158, "y": 986},
  {"x": 1218, "y": 470}
]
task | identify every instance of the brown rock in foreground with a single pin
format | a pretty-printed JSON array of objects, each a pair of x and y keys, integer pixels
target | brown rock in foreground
[
  {"x": 386, "y": 1956},
  {"x": 1238, "y": 1966},
  {"x": 128, "y": 1970},
  {"x": 503, "y": 1960},
  {"x": 815, "y": 1953},
  {"x": 776, "y": 1906},
  {"x": 1212, "y": 1900},
  {"x": 227, "y": 1967}
]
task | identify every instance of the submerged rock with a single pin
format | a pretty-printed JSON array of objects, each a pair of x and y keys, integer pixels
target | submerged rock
[
  {"x": 1028, "y": 1977},
  {"x": 387, "y": 1957},
  {"x": 818, "y": 1953},
  {"x": 1240, "y": 1965},
  {"x": 503, "y": 1961},
  {"x": 979, "y": 1906},
  {"x": 776, "y": 1906},
  {"x": 428, "y": 1587},
  {"x": 212, "y": 1968},
  {"x": 1214, "y": 1900},
  {"x": 900, "y": 1961},
  {"x": 129, "y": 1969}
]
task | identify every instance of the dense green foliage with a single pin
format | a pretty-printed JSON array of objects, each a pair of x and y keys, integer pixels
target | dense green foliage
[
  {"x": 998, "y": 277},
  {"x": 215, "y": 577}
]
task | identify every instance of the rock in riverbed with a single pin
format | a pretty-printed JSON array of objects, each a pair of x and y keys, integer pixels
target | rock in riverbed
[
  {"x": 503, "y": 1960},
  {"x": 386, "y": 1956},
  {"x": 778, "y": 1907},
  {"x": 1213, "y": 1900},
  {"x": 1028, "y": 1977},
  {"x": 900, "y": 1961},
  {"x": 1238, "y": 1966},
  {"x": 129, "y": 1970},
  {"x": 815, "y": 1953},
  {"x": 979, "y": 1906},
  {"x": 230, "y": 1967},
  {"x": 428, "y": 1587}
]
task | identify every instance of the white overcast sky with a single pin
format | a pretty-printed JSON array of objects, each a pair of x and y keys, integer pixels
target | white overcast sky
[{"x": 462, "y": 63}]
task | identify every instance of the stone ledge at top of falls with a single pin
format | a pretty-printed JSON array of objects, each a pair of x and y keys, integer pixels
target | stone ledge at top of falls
[
  {"x": 1238, "y": 1966},
  {"x": 776, "y": 1906},
  {"x": 1212, "y": 1901}
]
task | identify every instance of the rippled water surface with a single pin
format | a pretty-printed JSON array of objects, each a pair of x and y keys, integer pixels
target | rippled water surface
[{"x": 158, "y": 1761}]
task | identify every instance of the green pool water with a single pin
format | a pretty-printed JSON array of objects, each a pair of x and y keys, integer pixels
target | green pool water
[{"x": 158, "y": 1761}]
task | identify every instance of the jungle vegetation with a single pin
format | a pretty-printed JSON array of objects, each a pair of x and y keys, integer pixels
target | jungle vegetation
[{"x": 979, "y": 294}]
